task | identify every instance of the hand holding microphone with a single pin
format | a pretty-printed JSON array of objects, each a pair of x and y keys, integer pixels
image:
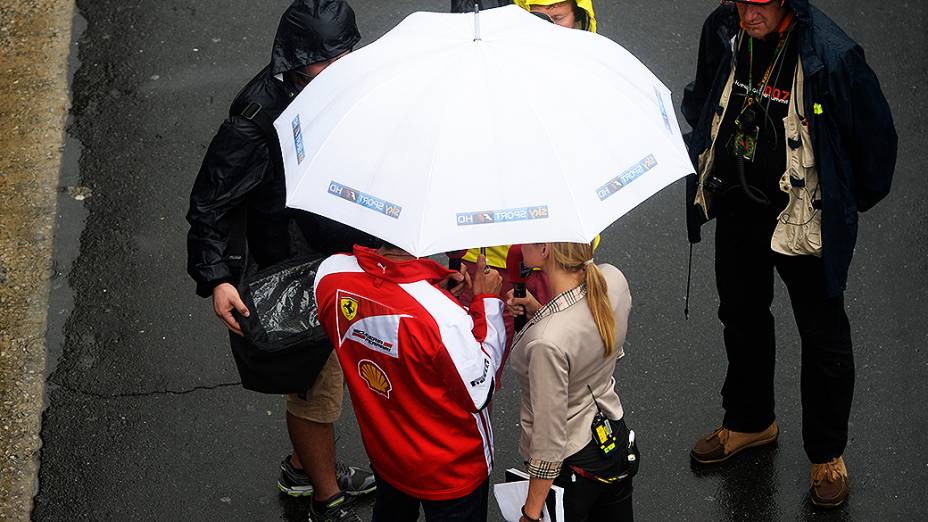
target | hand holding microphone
[
  {"x": 456, "y": 283},
  {"x": 521, "y": 303}
]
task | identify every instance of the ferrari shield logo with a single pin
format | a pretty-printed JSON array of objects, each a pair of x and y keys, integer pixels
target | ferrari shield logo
[{"x": 349, "y": 307}]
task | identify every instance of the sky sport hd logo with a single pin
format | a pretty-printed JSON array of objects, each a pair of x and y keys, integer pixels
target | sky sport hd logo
[
  {"x": 298, "y": 140},
  {"x": 365, "y": 200},
  {"x": 622, "y": 180},
  {"x": 486, "y": 217}
]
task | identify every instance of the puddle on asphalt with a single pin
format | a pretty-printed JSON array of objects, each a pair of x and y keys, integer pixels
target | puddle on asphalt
[
  {"x": 33, "y": 104},
  {"x": 71, "y": 218}
]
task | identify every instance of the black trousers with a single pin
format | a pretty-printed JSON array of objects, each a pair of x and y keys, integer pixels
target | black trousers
[
  {"x": 392, "y": 505},
  {"x": 744, "y": 267},
  {"x": 590, "y": 500}
]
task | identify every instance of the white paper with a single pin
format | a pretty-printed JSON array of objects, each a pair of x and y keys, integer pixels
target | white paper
[
  {"x": 511, "y": 497},
  {"x": 558, "y": 502}
]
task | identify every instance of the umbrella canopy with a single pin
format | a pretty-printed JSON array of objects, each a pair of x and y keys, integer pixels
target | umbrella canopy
[{"x": 455, "y": 131}]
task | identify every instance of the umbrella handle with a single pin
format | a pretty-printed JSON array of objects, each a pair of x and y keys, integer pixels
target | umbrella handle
[
  {"x": 517, "y": 274},
  {"x": 518, "y": 290},
  {"x": 454, "y": 263}
]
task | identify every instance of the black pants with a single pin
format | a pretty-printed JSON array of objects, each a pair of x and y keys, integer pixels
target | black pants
[
  {"x": 588, "y": 499},
  {"x": 392, "y": 505},
  {"x": 744, "y": 267}
]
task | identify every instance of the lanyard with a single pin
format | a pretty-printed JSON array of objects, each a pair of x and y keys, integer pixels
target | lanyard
[{"x": 778, "y": 52}]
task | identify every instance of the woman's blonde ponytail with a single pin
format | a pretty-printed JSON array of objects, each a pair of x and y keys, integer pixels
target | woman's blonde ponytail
[
  {"x": 597, "y": 297},
  {"x": 575, "y": 257}
]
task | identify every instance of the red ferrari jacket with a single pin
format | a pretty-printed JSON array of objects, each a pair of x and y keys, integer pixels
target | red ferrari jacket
[{"x": 419, "y": 368}]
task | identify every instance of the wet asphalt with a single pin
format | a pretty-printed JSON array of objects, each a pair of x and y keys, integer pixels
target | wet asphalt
[{"x": 145, "y": 419}]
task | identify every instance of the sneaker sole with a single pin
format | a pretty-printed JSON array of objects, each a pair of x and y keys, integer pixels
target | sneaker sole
[
  {"x": 360, "y": 492},
  {"x": 756, "y": 443},
  {"x": 296, "y": 493}
]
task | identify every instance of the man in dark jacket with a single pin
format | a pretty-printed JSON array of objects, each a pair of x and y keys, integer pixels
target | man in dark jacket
[
  {"x": 792, "y": 138},
  {"x": 241, "y": 181}
]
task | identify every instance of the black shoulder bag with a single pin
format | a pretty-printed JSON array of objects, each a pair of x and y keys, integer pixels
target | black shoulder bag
[{"x": 284, "y": 346}]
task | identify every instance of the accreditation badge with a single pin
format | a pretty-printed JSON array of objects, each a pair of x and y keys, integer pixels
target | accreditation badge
[{"x": 744, "y": 141}]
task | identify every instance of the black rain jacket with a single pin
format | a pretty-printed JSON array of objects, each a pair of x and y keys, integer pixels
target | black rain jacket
[
  {"x": 853, "y": 136},
  {"x": 467, "y": 6},
  {"x": 238, "y": 172}
]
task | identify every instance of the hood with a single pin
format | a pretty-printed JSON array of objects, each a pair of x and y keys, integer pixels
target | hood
[
  {"x": 586, "y": 5},
  {"x": 400, "y": 272},
  {"x": 801, "y": 8},
  {"x": 729, "y": 22},
  {"x": 312, "y": 31}
]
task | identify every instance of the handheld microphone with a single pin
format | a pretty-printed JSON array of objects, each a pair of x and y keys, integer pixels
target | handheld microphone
[
  {"x": 454, "y": 263},
  {"x": 517, "y": 275}
]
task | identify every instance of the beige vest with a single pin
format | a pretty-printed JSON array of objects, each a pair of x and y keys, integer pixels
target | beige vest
[{"x": 799, "y": 225}]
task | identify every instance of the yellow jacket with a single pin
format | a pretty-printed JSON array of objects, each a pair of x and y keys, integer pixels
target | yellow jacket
[
  {"x": 586, "y": 5},
  {"x": 496, "y": 255}
]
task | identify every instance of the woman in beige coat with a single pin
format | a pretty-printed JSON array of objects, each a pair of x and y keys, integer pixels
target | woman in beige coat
[{"x": 573, "y": 431}]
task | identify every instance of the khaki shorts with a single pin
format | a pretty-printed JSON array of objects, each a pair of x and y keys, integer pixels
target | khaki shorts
[{"x": 323, "y": 402}]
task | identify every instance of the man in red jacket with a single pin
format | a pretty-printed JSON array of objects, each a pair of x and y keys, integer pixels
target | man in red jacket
[{"x": 420, "y": 371}]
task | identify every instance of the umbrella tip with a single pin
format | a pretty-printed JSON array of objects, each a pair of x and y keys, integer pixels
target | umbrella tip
[{"x": 476, "y": 22}]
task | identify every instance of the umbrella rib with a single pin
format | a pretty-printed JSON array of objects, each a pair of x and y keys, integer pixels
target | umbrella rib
[
  {"x": 435, "y": 151},
  {"x": 641, "y": 116},
  {"x": 627, "y": 86},
  {"x": 395, "y": 72},
  {"x": 556, "y": 151},
  {"x": 644, "y": 116}
]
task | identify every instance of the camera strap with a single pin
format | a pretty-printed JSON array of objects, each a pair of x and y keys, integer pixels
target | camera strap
[
  {"x": 747, "y": 132},
  {"x": 777, "y": 53}
]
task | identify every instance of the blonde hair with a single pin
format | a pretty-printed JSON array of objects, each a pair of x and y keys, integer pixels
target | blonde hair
[{"x": 577, "y": 257}]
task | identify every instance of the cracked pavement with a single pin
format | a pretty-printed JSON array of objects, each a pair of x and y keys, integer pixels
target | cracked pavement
[
  {"x": 145, "y": 421},
  {"x": 155, "y": 393}
]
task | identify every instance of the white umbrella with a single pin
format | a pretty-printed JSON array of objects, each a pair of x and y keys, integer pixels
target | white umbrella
[{"x": 447, "y": 134}]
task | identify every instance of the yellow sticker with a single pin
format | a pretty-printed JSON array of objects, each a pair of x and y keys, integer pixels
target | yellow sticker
[
  {"x": 601, "y": 433},
  {"x": 349, "y": 307},
  {"x": 817, "y": 108}
]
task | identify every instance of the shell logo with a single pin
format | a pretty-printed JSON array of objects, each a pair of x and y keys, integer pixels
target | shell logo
[{"x": 375, "y": 377}]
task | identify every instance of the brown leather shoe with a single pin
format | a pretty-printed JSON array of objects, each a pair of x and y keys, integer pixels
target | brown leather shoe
[
  {"x": 829, "y": 483},
  {"x": 723, "y": 443}
]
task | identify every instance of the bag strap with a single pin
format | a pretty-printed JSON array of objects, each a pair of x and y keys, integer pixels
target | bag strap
[
  {"x": 237, "y": 248},
  {"x": 237, "y": 254},
  {"x": 256, "y": 114}
]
